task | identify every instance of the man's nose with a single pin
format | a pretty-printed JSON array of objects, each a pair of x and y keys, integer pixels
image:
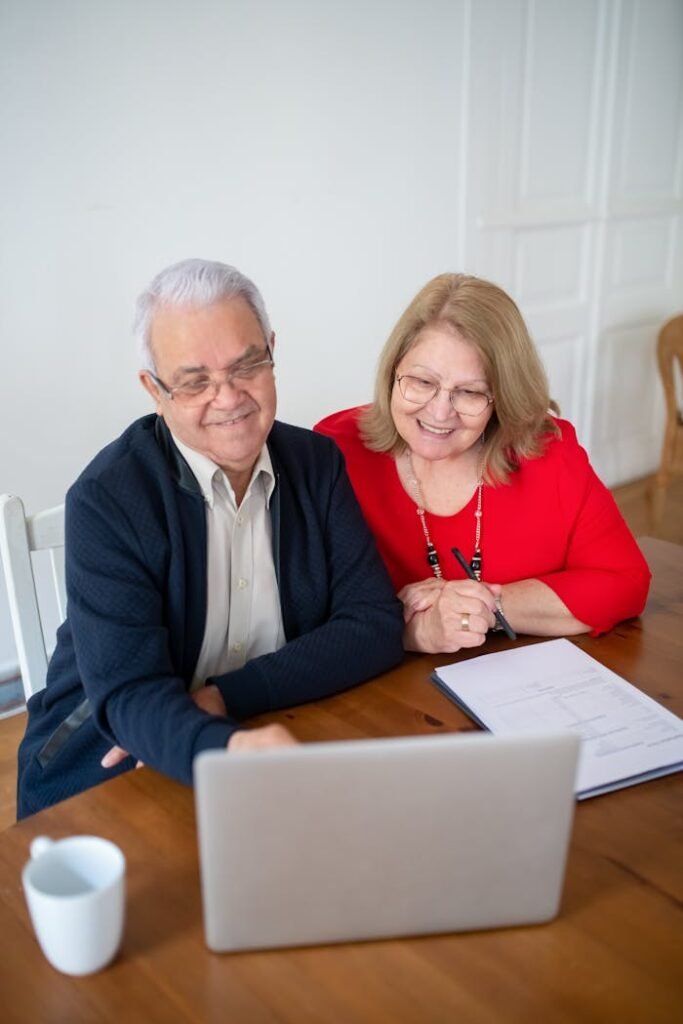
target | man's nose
[{"x": 227, "y": 392}]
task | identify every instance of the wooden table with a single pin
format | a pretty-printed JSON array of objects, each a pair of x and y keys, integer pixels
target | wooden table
[{"x": 614, "y": 953}]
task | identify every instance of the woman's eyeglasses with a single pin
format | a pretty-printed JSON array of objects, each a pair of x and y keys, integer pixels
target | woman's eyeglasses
[{"x": 466, "y": 401}]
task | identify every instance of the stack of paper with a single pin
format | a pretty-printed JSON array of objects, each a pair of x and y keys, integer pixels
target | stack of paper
[{"x": 626, "y": 736}]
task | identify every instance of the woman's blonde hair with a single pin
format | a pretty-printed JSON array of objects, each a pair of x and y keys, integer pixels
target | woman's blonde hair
[{"x": 488, "y": 318}]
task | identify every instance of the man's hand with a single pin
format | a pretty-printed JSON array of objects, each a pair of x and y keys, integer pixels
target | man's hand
[
  {"x": 115, "y": 756},
  {"x": 264, "y": 737},
  {"x": 208, "y": 698}
]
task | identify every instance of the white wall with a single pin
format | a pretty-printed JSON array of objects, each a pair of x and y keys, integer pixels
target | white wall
[
  {"x": 337, "y": 153},
  {"x": 312, "y": 144}
]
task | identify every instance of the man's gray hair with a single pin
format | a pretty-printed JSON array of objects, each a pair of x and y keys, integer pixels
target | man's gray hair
[{"x": 194, "y": 283}]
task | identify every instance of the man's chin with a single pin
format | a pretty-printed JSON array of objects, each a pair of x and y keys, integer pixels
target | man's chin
[{"x": 235, "y": 454}]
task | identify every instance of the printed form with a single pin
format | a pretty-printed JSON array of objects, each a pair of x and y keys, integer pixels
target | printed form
[{"x": 626, "y": 737}]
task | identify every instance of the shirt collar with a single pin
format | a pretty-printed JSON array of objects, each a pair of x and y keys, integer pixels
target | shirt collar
[{"x": 205, "y": 470}]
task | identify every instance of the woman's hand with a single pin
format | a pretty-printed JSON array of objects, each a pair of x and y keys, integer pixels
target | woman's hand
[
  {"x": 442, "y": 616},
  {"x": 418, "y": 597}
]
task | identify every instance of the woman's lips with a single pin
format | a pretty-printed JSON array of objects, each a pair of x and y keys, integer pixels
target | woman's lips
[{"x": 436, "y": 431}]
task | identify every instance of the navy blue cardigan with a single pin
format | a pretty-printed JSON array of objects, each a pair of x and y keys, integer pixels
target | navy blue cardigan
[{"x": 136, "y": 589}]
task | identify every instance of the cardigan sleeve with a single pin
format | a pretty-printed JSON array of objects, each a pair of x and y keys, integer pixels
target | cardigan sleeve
[
  {"x": 118, "y": 620},
  {"x": 605, "y": 577},
  {"x": 343, "y": 622}
]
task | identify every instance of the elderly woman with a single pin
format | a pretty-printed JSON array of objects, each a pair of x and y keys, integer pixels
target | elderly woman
[{"x": 460, "y": 449}]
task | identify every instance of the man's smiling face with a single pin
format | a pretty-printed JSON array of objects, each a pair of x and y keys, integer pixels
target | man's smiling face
[{"x": 195, "y": 343}]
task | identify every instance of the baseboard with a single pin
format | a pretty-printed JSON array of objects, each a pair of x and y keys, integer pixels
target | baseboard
[{"x": 9, "y": 670}]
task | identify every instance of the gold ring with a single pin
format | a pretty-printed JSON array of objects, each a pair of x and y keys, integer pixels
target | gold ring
[{"x": 465, "y": 622}]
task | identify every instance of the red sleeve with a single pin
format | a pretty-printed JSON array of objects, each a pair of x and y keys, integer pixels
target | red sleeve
[{"x": 605, "y": 577}]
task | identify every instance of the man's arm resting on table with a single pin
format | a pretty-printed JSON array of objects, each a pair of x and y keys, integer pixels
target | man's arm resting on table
[{"x": 208, "y": 698}]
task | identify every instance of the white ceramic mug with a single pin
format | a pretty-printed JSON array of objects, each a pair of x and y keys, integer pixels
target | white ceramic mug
[{"x": 75, "y": 890}]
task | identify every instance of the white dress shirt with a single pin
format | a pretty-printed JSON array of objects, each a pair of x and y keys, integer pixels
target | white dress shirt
[{"x": 243, "y": 614}]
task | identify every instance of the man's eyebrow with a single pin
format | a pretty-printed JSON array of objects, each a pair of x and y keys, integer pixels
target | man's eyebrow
[
  {"x": 249, "y": 353},
  {"x": 183, "y": 371}
]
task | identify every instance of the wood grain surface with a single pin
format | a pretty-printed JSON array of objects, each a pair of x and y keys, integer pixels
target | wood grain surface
[{"x": 613, "y": 954}]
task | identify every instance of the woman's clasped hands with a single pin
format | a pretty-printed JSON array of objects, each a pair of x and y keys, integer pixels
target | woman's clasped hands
[{"x": 441, "y": 616}]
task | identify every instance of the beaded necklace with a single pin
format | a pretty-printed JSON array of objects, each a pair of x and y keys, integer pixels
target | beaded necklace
[{"x": 432, "y": 554}]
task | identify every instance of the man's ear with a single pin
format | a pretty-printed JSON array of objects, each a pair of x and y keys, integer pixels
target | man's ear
[
  {"x": 271, "y": 344},
  {"x": 151, "y": 388}
]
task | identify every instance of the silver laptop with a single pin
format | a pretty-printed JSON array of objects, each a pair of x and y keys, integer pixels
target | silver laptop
[{"x": 364, "y": 839}]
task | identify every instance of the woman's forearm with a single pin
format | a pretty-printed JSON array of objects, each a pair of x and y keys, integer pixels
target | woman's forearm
[{"x": 532, "y": 607}]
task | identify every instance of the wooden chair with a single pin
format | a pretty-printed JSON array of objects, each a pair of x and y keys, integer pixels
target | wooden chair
[
  {"x": 19, "y": 536},
  {"x": 669, "y": 349}
]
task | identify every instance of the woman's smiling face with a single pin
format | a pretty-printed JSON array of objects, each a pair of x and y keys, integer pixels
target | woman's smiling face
[{"x": 434, "y": 430}]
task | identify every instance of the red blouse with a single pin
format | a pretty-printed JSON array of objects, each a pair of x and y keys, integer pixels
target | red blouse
[{"x": 553, "y": 521}]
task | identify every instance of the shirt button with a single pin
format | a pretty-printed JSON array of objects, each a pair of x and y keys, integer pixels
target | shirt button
[
  {"x": 240, "y": 520},
  {"x": 237, "y": 646},
  {"x": 242, "y": 583}
]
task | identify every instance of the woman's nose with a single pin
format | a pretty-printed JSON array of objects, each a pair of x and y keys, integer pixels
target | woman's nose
[{"x": 440, "y": 404}]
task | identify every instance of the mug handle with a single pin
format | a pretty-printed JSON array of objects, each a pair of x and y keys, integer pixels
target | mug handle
[{"x": 40, "y": 845}]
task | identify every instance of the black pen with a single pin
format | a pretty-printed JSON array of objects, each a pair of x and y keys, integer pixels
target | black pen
[{"x": 502, "y": 621}]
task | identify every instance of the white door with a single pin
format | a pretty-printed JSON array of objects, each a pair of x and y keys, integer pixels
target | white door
[{"x": 574, "y": 178}]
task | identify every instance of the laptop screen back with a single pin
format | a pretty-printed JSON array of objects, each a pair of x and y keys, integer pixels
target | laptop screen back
[{"x": 329, "y": 842}]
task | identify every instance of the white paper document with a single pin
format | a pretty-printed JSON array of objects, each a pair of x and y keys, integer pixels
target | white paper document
[{"x": 626, "y": 736}]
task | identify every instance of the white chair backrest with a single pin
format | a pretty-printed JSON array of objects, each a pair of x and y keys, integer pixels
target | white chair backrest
[{"x": 19, "y": 536}]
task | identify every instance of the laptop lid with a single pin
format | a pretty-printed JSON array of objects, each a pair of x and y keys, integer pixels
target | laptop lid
[{"x": 362, "y": 839}]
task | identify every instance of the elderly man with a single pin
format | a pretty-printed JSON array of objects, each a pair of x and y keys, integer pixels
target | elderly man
[{"x": 217, "y": 563}]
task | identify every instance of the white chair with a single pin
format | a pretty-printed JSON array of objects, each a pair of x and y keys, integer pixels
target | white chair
[{"x": 19, "y": 536}]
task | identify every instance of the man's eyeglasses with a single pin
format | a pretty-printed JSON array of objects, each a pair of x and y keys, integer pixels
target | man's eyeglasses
[
  {"x": 203, "y": 388},
  {"x": 465, "y": 401}
]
